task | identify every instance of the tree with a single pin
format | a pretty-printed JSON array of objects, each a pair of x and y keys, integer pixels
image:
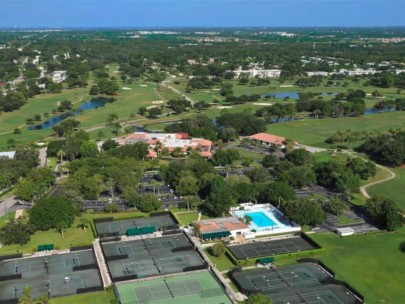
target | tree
[
  {"x": 113, "y": 122},
  {"x": 220, "y": 201},
  {"x": 258, "y": 298},
  {"x": 109, "y": 144},
  {"x": 15, "y": 232},
  {"x": 83, "y": 224},
  {"x": 88, "y": 149},
  {"x": 17, "y": 131},
  {"x": 42, "y": 299},
  {"x": 26, "y": 189},
  {"x": 334, "y": 206},
  {"x": 52, "y": 212},
  {"x": 300, "y": 157},
  {"x": 275, "y": 193},
  {"x": 11, "y": 143},
  {"x": 299, "y": 177},
  {"x": 149, "y": 202},
  {"x": 269, "y": 161},
  {"x": 402, "y": 247},
  {"x": 187, "y": 186},
  {"x": 304, "y": 211},
  {"x": 61, "y": 154},
  {"x": 26, "y": 297},
  {"x": 384, "y": 212},
  {"x": 27, "y": 154},
  {"x": 132, "y": 196},
  {"x": 218, "y": 249}
]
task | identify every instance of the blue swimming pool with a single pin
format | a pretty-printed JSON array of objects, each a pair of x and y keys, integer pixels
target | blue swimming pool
[{"x": 260, "y": 219}]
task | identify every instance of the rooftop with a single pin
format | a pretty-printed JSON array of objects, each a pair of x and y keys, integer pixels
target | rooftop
[
  {"x": 269, "y": 138},
  {"x": 221, "y": 224}
]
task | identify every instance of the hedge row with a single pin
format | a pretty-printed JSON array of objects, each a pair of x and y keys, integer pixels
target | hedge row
[{"x": 292, "y": 255}]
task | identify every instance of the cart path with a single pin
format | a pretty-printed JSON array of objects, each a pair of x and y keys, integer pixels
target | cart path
[{"x": 392, "y": 176}]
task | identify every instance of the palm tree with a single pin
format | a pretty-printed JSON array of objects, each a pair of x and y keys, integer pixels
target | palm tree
[
  {"x": 84, "y": 223},
  {"x": 61, "y": 228},
  {"x": 61, "y": 154}
]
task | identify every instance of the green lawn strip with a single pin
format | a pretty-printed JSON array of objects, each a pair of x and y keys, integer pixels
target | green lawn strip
[
  {"x": 99, "y": 297},
  {"x": 393, "y": 189},
  {"x": 372, "y": 263},
  {"x": 222, "y": 263}
]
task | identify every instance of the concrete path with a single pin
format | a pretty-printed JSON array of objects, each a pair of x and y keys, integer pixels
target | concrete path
[
  {"x": 392, "y": 176},
  {"x": 105, "y": 276},
  {"x": 310, "y": 148},
  {"x": 42, "y": 158},
  {"x": 18, "y": 213},
  {"x": 7, "y": 204}
]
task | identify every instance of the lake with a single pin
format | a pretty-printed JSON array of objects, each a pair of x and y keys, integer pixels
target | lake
[{"x": 93, "y": 103}]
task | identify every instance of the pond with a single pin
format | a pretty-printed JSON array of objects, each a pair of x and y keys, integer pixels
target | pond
[
  {"x": 290, "y": 95},
  {"x": 93, "y": 103}
]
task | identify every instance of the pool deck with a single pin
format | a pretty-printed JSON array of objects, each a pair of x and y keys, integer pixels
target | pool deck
[{"x": 277, "y": 223}]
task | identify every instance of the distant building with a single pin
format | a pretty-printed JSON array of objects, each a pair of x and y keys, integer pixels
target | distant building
[
  {"x": 274, "y": 73},
  {"x": 268, "y": 139},
  {"x": 157, "y": 142},
  {"x": 59, "y": 76},
  {"x": 220, "y": 227},
  {"x": 9, "y": 154},
  {"x": 318, "y": 73}
]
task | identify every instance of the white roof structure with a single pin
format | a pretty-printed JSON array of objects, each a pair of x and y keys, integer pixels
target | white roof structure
[{"x": 9, "y": 154}]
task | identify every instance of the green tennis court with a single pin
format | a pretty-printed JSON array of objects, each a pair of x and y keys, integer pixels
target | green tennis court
[{"x": 200, "y": 287}]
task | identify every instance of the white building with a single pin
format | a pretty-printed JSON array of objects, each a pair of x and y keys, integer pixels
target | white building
[
  {"x": 59, "y": 76},
  {"x": 9, "y": 154},
  {"x": 273, "y": 73}
]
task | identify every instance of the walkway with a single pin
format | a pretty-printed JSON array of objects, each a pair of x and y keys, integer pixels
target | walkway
[
  {"x": 392, "y": 176},
  {"x": 164, "y": 83},
  {"x": 105, "y": 275}
]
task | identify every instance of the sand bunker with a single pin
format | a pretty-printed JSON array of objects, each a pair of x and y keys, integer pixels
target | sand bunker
[
  {"x": 262, "y": 104},
  {"x": 225, "y": 107}
]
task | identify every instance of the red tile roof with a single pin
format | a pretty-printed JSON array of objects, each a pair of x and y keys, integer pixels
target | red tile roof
[{"x": 269, "y": 138}]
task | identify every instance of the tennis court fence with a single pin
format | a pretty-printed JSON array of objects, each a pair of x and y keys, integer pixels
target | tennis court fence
[{"x": 204, "y": 294}]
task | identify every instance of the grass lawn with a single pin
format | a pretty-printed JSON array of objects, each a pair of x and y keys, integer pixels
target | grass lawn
[
  {"x": 393, "y": 189},
  {"x": 189, "y": 217},
  {"x": 314, "y": 132},
  {"x": 370, "y": 263},
  {"x": 73, "y": 236},
  {"x": 8, "y": 216},
  {"x": 222, "y": 262},
  {"x": 99, "y": 297}
]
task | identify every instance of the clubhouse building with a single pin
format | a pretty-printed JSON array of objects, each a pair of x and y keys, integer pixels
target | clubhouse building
[{"x": 158, "y": 142}]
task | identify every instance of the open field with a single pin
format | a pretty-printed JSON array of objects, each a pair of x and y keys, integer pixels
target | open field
[
  {"x": 373, "y": 264},
  {"x": 313, "y": 132},
  {"x": 393, "y": 189}
]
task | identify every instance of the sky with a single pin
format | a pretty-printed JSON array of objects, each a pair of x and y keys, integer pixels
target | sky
[{"x": 200, "y": 13}]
